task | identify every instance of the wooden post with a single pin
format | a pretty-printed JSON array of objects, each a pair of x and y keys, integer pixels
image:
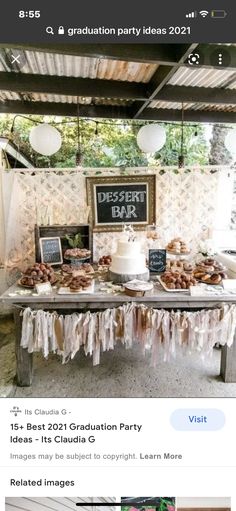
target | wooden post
[
  {"x": 24, "y": 360},
  {"x": 228, "y": 362}
]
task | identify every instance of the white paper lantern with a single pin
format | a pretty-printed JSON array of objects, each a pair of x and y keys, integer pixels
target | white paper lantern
[
  {"x": 230, "y": 141},
  {"x": 45, "y": 139},
  {"x": 151, "y": 138}
]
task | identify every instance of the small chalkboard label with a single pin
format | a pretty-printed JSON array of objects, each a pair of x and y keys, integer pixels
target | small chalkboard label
[
  {"x": 157, "y": 260},
  {"x": 51, "y": 251}
]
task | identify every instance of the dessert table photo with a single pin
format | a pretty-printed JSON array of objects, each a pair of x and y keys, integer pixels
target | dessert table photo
[
  {"x": 90, "y": 286},
  {"x": 118, "y": 211}
]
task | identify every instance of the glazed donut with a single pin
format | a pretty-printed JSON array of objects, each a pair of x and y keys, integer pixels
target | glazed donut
[{"x": 215, "y": 278}]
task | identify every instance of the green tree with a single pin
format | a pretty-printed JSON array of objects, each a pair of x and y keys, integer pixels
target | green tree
[
  {"x": 107, "y": 143},
  {"x": 195, "y": 146}
]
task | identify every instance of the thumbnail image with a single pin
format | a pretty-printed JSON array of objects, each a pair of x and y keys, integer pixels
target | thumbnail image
[
  {"x": 117, "y": 223},
  {"x": 148, "y": 504},
  {"x": 203, "y": 504},
  {"x": 60, "y": 503}
]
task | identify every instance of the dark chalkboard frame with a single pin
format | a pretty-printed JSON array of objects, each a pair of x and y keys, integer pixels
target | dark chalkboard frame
[
  {"x": 151, "y": 253},
  {"x": 150, "y": 183},
  {"x": 60, "y": 259}
]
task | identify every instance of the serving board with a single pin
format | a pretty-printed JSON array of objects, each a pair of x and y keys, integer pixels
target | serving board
[
  {"x": 66, "y": 290},
  {"x": 32, "y": 287},
  {"x": 172, "y": 290}
]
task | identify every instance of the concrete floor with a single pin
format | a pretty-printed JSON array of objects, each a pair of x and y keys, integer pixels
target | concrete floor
[{"x": 121, "y": 373}]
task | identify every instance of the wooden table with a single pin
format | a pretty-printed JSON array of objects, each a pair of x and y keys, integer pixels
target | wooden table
[{"x": 157, "y": 298}]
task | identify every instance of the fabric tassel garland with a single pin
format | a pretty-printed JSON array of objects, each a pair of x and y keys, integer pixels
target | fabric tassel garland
[{"x": 158, "y": 330}]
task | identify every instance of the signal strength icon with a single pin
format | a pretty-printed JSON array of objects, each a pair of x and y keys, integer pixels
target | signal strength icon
[
  {"x": 192, "y": 14},
  {"x": 204, "y": 13}
]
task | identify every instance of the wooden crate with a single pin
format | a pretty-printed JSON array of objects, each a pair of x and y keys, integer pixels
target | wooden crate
[{"x": 49, "y": 231}]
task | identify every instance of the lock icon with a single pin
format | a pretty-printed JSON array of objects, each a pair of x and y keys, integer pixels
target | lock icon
[{"x": 61, "y": 30}]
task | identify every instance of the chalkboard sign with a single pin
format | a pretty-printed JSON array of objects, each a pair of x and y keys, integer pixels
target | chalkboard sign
[
  {"x": 157, "y": 260},
  {"x": 115, "y": 201},
  {"x": 60, "y": 231},
  {"x": 50, "y": 249}
]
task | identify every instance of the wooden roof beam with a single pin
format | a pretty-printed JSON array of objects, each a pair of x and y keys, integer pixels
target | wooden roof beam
[
  {"x": 114, "y": 112},
  {"x": 70, "y": 86},
  {"x": 182, "y": 94},
  {"x": 161, "y": 78}
]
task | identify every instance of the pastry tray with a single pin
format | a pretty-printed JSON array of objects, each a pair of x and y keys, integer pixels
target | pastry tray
[
  {"x": 77, "y": 272},
  {"x": 171, "y": 290},
  {"x": 79, "y": 260},
  {"x": 210, "y": 283},
  {"x": 32, "y": 287},
  {"x": 66, "y": 290}
]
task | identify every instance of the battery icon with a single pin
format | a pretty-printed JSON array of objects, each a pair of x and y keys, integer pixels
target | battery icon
[{"x": 218, "y": 14}]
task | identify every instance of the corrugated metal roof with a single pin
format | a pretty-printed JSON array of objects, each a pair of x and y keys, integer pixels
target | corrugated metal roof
[
  {"x": 99, "y": 68},
  {"x": 201, "y": 77},
  {"x": 232, "y": 84},
  {"x": 7, "y": 95},
  {"x": 54, "y": 64}
]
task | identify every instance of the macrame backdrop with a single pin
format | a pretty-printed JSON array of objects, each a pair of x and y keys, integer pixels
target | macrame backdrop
[{"x": 185, "y": 202}]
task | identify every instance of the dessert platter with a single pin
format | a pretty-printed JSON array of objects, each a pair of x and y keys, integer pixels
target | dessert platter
[
  {"x": 177, "y": 265},
  {"x": 83, "y": 268},
  {"x": 38, "y": 273},
  {"x": 77, "y": 255},
  {"x": 176, "y": 281},
  {"x": 76, "y": 284},
  {"x": 103, "y": 265},
  {"x": 69, "y": 278},
  {"x": 177, "y": 246},
  {"x": 210, "y": 271},
  {"x": 180, "y": 275},
  {"x": 105, "y": 261}
]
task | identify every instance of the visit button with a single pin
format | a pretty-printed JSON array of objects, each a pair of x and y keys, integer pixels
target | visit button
[{"x": 197, "y": 419}]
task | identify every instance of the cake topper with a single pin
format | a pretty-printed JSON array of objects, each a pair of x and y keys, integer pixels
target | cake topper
[{"x": 129, "y": 232}]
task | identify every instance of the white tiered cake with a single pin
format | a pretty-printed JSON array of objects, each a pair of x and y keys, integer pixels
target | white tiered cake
[{"x": 128, "y": 262}]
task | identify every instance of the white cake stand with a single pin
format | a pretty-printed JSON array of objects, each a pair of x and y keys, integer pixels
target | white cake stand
[{"x": 120, "y": 278}]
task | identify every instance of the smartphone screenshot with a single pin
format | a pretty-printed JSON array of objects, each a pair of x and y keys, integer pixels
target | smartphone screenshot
[{"x": 117, "y": 255}]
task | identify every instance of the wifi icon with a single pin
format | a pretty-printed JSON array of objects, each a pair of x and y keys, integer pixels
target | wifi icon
[{"x": 204, "y": 13}]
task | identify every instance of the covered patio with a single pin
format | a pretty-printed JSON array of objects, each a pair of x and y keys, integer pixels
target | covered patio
[{"x": 153, "y": 83}]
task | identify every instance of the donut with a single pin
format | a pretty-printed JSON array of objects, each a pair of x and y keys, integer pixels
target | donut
[{"x": 215, "y": 278}]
